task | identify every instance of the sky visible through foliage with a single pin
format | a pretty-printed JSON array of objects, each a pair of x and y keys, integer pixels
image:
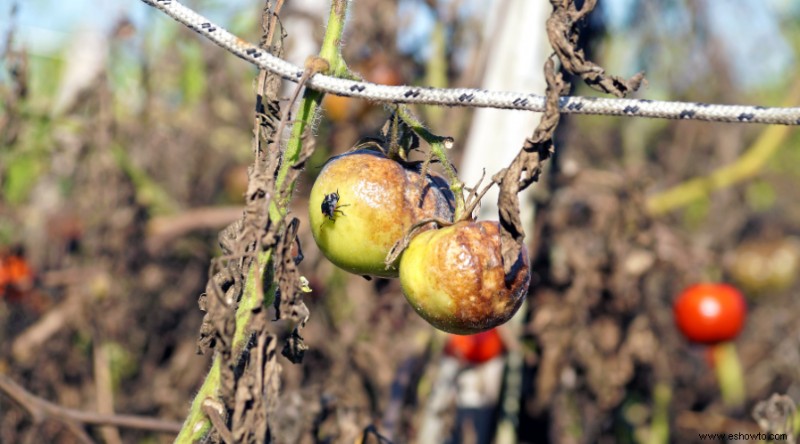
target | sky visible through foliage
[{"x": 753, "y": 49}]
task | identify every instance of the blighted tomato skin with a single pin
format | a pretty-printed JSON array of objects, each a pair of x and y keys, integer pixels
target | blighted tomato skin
[
  {"x": 380, "y": 200},
  {"x": 454, "y": 278},
  {"x": 761, "y": 266}
]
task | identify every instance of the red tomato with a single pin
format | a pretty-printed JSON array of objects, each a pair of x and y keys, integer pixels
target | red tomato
[
  {"x": 16, "y": 276},
  {"x": 710, "y": 313},
  {"x": 477, "y": 348}
]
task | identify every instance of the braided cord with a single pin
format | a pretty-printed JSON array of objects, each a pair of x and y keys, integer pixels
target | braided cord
[{"x": 474, "y": 97}]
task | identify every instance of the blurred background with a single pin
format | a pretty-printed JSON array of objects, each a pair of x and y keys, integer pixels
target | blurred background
[{"x": 124, "y": 143}]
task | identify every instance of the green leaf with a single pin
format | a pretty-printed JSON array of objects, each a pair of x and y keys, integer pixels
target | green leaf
[
  {"x": 193, "y": 75},
  {"x": 23, "y": 171}
]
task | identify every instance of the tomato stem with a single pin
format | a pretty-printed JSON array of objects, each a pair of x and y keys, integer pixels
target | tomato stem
[
  {"x": 659, "y": 427},
  {"x": 750, "y": 163},
  {"x": 729, "y": 374},
  {"x": 197, "y": 423},
  {"x": 309, "y": 107},
  {"x": 438, "y": 145}
]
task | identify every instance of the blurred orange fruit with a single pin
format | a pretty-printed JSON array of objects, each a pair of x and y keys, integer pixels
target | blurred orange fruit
[
  {"x": 16, "y": 276},
  {"x": 477, "y": 348}
]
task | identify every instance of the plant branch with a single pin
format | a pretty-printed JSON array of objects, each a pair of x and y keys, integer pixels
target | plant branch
[
  {"x": 40, "y": 410},
  {"x": 330, "y": 52},
  {"x": 563, "y": 33},
  {"x": 438, "y": 145},
  {"x": 272, "y": 182},
  {"x": 748, "y": 165},
  {"x": 729, "y": 374}
]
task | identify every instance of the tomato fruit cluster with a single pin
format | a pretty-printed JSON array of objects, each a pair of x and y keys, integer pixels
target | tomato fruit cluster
[{"x": 362, "y": 203}]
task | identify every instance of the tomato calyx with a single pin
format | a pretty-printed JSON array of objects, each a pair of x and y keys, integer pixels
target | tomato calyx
[
  {"x": 400, "y": 246},
  {"x": 473, "y": 200},
  {"x": 396, "y": 141}
]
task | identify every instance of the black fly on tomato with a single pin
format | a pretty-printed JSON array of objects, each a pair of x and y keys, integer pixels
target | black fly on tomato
[{"x": 330, "y": 206}]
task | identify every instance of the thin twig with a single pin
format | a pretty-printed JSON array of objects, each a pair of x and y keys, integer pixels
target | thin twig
[
  {"x": 40, "y": 410},
  {"x": 162, "y": 229},
  {"x": 273, "y": 22}
]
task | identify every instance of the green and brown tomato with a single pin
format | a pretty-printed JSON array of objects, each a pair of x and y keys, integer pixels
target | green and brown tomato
[
  {"x": 454, "y": 278},
  {"x": 761, "y": 266},
  {"x": 362, "y": 203}
]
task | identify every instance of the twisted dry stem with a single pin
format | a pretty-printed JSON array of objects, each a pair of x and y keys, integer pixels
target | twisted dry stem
[
  {"x": 564, "y": 38},
  {"x": 245, "y": 377},
  {"x": 526, "y": 167}
]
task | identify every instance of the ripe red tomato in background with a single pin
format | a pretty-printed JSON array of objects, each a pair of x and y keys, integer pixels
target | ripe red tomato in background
[
  {"x": 477, "y": 348},
  {"x": 710, "y": 313},
  {"x": 16, "y": 276}
]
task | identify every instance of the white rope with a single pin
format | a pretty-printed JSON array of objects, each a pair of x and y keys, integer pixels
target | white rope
[{"x": 474, "y": 97}]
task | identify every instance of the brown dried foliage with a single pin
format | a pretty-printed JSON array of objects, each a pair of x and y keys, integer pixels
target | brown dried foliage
[
  {"x": 563, "y": 33},
  {"x": 250, "y": 376}
]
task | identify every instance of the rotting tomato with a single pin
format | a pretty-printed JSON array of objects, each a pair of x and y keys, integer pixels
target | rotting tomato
[
  {"x": 454, "y": 277},
  {"x": 477, "y": 348},
  {"x": 710, "y": 313},
  {"x": 362, "y": 203},
  {"x": 766, "y": 265}
]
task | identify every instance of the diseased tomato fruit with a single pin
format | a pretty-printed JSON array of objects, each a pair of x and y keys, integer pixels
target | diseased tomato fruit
[
  {"x": 454, "y": 278},
  {"x": 362, "y": 203},
  {"x": 766, "y": 265},
  {"x": 710, "y": 313},
  {"x": 477, "y": 348}
]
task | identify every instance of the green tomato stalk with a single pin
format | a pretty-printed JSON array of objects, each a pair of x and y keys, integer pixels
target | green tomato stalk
[
  {"x": 728, "y": 369},
  {"x": 659, "y": 427},
  {"x": 197, "y": 423},
  {"x": 438, "y": 145}
]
